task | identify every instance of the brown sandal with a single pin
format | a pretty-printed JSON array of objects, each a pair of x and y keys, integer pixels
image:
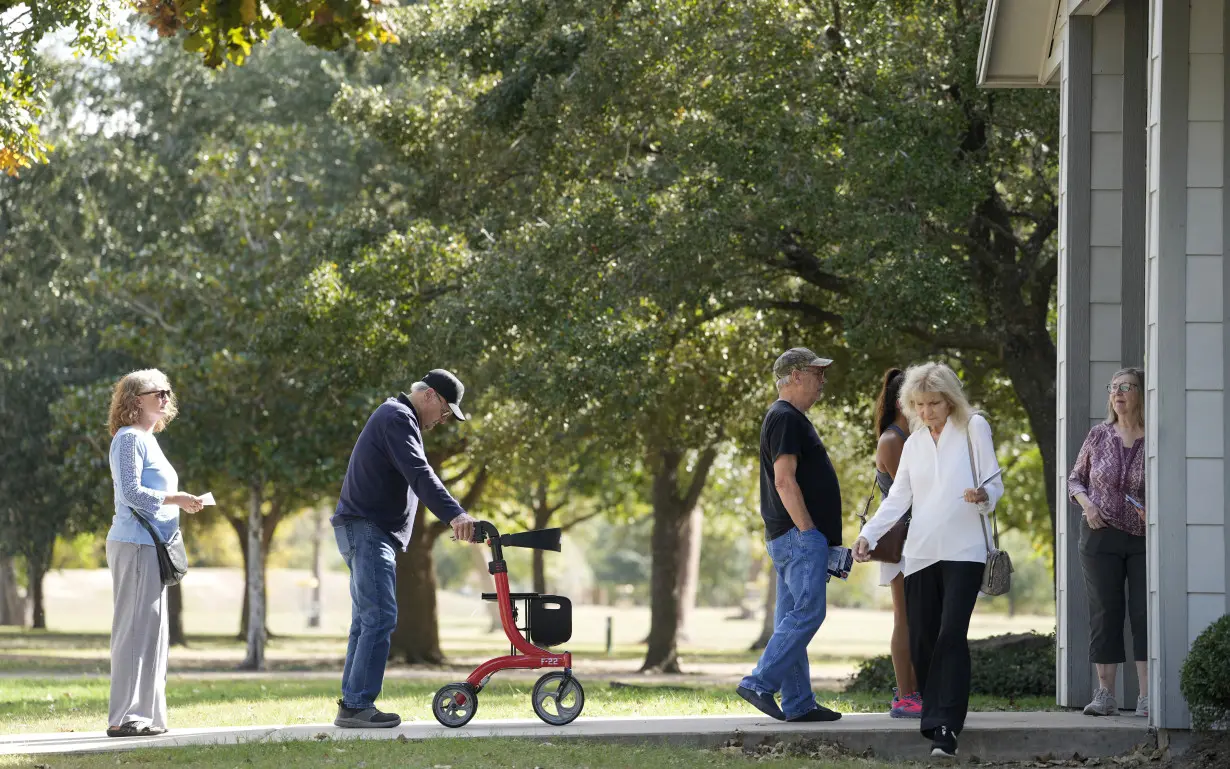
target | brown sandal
[
  {"x": 134, "y": 729},
  {"x": 130, "y": 729}
]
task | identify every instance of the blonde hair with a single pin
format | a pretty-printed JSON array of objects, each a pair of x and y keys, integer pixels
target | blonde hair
[
  {"x": 126, "y": 399},
  {"x": 1139, "y": 376},
  {"x": 935, "y": 378}
]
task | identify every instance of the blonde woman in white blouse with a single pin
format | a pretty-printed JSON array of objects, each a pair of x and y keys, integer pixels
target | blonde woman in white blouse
[{"x": 946, "y": 551}]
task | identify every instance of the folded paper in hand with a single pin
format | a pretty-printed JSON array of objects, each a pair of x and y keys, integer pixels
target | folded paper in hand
[{"x": 208, "y": 498}]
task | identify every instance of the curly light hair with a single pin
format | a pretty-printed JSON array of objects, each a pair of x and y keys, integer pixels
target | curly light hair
[
  {"x": 126, "y": 397},
  {"x": 935, "y": 378}
]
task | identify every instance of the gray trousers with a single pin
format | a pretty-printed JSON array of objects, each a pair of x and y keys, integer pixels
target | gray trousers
[{"x": 139, "y": 636}]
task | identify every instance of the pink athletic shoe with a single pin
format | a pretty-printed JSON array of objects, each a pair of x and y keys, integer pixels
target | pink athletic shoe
[{"x": 909, "y": 706}]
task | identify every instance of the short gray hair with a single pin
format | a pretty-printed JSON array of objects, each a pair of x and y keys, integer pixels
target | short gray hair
[
  {"x": 419, "y": 387},
  {"x": 1139, "y": 375}
]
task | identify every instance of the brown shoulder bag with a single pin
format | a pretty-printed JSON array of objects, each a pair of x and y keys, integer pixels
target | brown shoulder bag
[{"x": 892, "y": 544}]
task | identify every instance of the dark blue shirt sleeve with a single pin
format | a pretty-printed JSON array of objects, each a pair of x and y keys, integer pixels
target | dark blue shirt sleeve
[{"x": 405, "y": 446}]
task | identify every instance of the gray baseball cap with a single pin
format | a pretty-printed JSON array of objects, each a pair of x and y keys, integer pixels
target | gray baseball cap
[{"x": 797, "y": 359}]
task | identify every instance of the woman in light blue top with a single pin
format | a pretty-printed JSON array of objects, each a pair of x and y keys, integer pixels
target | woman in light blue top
[{"x": 145, "y": 484}]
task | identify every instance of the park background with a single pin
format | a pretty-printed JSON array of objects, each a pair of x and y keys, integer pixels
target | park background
[{"x": 607, "y": 218}]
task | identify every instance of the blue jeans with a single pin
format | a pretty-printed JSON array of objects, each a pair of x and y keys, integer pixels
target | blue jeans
[
  {"x": 801, "y": 561},
  {"x": 372, "y": 557}
]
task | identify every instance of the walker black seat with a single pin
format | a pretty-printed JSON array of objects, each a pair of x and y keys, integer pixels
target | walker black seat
[{"x": 550, "y": 620}]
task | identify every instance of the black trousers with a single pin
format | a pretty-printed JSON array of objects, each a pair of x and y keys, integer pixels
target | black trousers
[
  {"x": 939, "y": 601},
  {"x": 1111, "y": 560}
]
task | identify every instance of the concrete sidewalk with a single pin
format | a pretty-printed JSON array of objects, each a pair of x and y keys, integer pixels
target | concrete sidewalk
[{"x": 990, "y": 736}]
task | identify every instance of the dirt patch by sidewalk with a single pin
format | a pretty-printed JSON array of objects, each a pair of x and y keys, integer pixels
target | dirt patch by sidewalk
[{"x": 1209, "y": 751}]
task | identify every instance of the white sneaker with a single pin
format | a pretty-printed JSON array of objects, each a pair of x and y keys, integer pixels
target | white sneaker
[
  {"x": 1142, "y": 706},
  {"x": 1103, "y": 704}
]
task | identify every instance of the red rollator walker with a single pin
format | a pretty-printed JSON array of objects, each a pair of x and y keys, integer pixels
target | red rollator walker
[{"x": 557, "y": 697}]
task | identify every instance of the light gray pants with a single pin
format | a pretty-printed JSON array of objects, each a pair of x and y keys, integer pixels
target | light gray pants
[{"x": 139, "y": 636}]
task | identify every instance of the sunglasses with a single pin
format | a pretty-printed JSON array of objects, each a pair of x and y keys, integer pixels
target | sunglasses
[
  {"x": 1123, "y": 387},
  {"x": 162, "y": 394}
]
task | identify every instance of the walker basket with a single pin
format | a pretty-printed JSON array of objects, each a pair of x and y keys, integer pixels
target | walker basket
[{"x": 550, "y": 620}]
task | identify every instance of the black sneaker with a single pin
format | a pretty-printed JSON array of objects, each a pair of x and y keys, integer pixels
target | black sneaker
[
  {"x": 762, "y": 702},
  {"x": 364, "y": 718},
  {"x": 818, "y": 713},
  {"x": 944, "y": 744}
]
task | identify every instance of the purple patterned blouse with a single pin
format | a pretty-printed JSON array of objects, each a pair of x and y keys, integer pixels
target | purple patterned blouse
[{"x": 1106, "y": 470}]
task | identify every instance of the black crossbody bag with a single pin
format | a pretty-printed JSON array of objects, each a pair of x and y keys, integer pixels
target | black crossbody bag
[{"x": 172, "y": 557}]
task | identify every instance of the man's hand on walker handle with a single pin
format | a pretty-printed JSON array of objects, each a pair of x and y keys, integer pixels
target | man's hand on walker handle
[
  {"x": 463, "y": 527},
  {"x": 862, "y": 550}
]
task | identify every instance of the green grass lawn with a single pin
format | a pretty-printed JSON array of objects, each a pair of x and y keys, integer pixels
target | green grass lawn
[
  {"x": 453, "y": 754},
  {"x": 60, "y": 653},
  {"x": 31, "y": 705}
]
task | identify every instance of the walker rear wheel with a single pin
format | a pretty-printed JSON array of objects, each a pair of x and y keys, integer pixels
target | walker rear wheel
[
  {"x": 558, "y": 698},
  {"x": 454, "y": 705}
]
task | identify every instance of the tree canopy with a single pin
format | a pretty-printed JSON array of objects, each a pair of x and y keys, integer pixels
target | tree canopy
[{"x": 219, "y": 32}]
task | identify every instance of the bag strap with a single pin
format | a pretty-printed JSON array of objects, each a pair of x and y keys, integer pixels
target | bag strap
[
  {"x": 148, "y": 526},
  {"x": 969, "y": 441},
  {"x": 875, "y": 486}
]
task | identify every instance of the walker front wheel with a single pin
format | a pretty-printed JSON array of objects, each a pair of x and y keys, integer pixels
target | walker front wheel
[
  {"x": 454, "y": 705},
  {"x": 558, "y": 698}
]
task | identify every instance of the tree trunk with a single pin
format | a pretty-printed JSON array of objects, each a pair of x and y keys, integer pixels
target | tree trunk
[
  {"x": 416, "y": 639},
  {"x": 542, "y": 519},
  {"x": 255, "y": 659},
  {"x": 269, "y": 525},
  {"x": 175, "y": 612},
  {"x": 671, "y": 515},
  {"x": 35, "y": 571},
  {"x": 479, "y": 555},
  {"x": 751, "y": 588},
  {"x": 770, "y": 610},
  {"x": 690, "y": 557},
  {"x": 1029, "y": 359},
  {"x": 318, "y": 535},
  {"x": 12, "y": 607}
]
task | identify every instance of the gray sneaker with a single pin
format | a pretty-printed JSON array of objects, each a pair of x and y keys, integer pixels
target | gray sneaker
[
  {"x": 365, "y": 718},
  {"x": 1103, "y": 704},
  {"x": 1142, "y": 706}
]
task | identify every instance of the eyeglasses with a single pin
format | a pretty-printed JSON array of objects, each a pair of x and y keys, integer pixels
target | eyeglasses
[
  {"x": 1123, "y": 387},
  {"x": 164, "y": 395}
]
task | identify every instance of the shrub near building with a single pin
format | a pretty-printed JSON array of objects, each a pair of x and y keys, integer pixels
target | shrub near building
[{"x": 1205, "y": 678}]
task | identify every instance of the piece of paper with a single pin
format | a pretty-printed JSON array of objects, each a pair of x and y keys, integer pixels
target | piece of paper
[
  {"x": 992, "y": 477},
  {"x": 208, "y": 498}
]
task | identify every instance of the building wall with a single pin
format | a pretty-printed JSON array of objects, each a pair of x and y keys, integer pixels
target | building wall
[
  {"x": 1204, "y": 318},
  {"x": 1101, "y": 276},
  {"x": 1186, "y": 343}
]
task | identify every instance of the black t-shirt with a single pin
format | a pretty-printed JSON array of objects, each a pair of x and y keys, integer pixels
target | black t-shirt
[{"x": 786, "y": 430}]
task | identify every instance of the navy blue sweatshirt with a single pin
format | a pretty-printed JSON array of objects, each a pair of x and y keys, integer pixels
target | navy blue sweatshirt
[{"x": 388, "y": 474}]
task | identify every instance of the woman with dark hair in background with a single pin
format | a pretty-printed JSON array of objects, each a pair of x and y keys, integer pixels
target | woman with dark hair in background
[{"x": 892, "y": 428}]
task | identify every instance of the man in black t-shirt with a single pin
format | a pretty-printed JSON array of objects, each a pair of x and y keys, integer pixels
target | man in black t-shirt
[{"x": 800, "y": 502}]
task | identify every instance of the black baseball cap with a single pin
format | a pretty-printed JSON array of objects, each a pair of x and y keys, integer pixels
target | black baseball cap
[{"x": 449, "y": 387}]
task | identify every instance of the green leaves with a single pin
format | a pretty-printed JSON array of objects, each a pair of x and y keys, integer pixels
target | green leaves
[{"x": 219, "y": 32}]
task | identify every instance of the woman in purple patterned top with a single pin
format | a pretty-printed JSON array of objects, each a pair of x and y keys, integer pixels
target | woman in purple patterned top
[{"x": 1108, "y": 482}]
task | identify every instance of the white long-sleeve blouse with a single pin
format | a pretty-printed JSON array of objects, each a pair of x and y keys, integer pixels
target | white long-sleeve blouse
[{"x": 931, "y": 480}]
